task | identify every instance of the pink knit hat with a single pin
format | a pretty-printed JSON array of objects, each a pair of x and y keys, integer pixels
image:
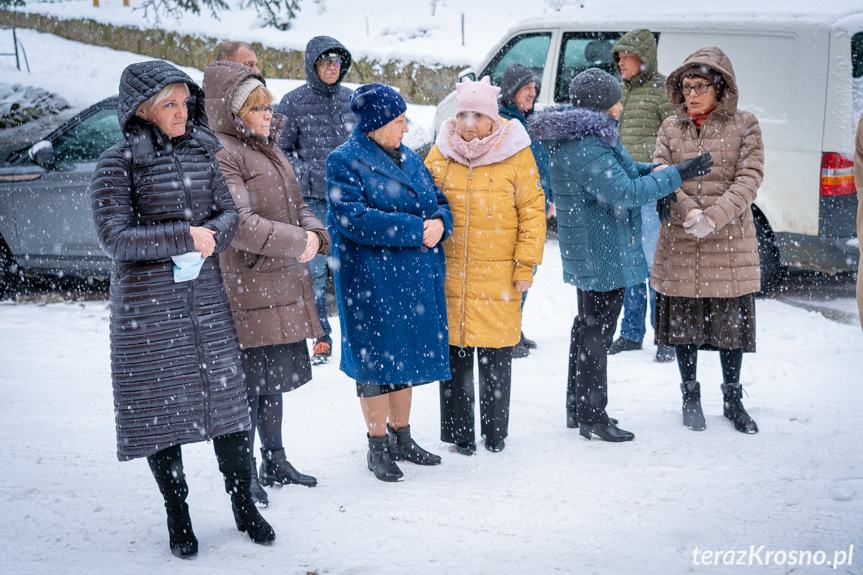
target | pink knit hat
[{"x": 477, "y": 97}]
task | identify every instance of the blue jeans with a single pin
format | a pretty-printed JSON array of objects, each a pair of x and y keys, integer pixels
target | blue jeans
[
  {"x": 635, "y": 297},
  {"x": 318, "y": 266}
]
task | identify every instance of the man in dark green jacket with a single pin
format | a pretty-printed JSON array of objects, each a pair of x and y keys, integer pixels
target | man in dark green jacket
[{"x": 645, "y": 106}]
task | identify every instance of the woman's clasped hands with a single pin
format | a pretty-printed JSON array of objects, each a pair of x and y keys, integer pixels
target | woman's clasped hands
[
  {"x": 204, "y": 240},
  {"x": 432, "y": 232},
  {"x": 313, "y": 244},
  {"x": 697, "y": 224}
]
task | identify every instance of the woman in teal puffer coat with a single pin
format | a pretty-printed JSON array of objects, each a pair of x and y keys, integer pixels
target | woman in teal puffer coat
[{"x": 599, "y": 191}]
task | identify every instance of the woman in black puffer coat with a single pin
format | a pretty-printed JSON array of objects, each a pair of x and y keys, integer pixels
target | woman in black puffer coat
[{"x": 175, "y": 359}]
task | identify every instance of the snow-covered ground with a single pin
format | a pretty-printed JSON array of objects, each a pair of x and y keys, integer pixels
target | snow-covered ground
[{"x": 550, "y": 503}]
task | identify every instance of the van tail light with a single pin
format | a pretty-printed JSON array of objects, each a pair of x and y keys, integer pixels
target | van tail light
[{"x": 837, "y": 174}]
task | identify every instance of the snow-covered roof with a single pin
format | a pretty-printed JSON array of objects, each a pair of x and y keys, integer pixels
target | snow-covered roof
[{"x": 744, "y": 14}]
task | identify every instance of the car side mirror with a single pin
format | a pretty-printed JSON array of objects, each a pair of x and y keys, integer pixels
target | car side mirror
[
  {"x": 467, "y": 73},
  {"x": 42, "y": 154}
]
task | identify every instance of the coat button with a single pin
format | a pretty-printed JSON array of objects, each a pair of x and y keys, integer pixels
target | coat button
[
  {"x": 412, "y": 193},
  {"x": 423, "y": 249}
]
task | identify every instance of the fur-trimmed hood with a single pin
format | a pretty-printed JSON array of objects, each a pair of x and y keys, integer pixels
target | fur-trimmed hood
[
  {"x": 571, "y": 123},
  {"x": 710, "y": 59},
  {"x": 513, "y": 139}
]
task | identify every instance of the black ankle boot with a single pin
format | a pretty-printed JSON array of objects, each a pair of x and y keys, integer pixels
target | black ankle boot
[
  {"x": 495, "y": 446},
  {"x": 572, "y": 420},
  {"x": 693, "y": 416},
  {"x": 167, "y": 468},
  {"x": 733, "y": 408},
  {"x": 232, "y": 453},
  {"x": 402, "y": 446},
  {"x": 275, "y": 468},
  {"x": 259, "y": 496},
  {"x": 465, "y": 448},
  {"x": 247, "y": 518},
  {"x": 380, "y": 460},
  {"x": 605, "y": 431}
]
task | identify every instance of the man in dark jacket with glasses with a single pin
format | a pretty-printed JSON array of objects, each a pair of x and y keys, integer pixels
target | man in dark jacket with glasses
[{"x": 319, "y": 120}]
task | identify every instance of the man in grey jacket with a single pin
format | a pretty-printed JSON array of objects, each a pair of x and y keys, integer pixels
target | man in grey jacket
[{"x": 319, "y": 120}]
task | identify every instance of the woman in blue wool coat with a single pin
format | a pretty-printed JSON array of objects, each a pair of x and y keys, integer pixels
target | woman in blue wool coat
[
  {"x": 598, "y": 192},
  {"x": 387, "y": 219}
]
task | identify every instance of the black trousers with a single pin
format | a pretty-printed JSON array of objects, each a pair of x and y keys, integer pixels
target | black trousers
[
  {"x": 592, "y": 333},
  {"x": 457, "y": 397}
]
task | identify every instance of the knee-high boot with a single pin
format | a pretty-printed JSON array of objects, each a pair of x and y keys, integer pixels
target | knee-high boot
[
  {"x": 232, "y": 452},
  {"x": 167, "y": 468}
]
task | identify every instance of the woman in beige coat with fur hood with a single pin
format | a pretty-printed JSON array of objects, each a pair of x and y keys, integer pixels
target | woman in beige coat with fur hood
[
  {"x": 265, "y": 269},
  {"x": 706, "y": 269}
]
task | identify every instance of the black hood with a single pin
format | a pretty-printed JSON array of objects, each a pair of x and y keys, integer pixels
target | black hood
[
  {"x": 142, "y": 81},
  {"x": 314, "y": 49}
]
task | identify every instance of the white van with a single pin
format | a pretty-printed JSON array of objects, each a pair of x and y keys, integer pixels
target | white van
[{"x": 799, "y": 66}]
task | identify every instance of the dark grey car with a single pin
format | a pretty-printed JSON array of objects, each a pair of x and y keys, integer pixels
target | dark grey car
[{"x": 46, "y": 226}]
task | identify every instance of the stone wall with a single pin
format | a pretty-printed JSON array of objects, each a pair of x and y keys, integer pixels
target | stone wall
[{"x": 418, "y": 84}]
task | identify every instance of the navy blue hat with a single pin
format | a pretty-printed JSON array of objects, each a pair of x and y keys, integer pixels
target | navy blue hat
[{"x": 376, "y": 105}]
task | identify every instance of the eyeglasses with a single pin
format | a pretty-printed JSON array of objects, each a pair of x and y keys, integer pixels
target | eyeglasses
[
  {"x": 700, "y": 89},
  {"x": 261, "y": 109},
  {"x": 330, "y": 62}
]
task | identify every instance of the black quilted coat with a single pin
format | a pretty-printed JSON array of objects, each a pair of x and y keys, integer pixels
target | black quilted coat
[
  {"x": 175, "y": 359},
  {"x": 319, "y": 119}
]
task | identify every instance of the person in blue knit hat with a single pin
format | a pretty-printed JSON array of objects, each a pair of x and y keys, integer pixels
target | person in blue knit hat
[
  {"x": 387, "y": 220},
  {"x": 598, "y": 192}
]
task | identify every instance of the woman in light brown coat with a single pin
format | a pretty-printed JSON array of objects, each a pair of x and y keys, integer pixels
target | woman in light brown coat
[
  {"x": 706, "y": 270},
  {"x": 265, "y": 268}
]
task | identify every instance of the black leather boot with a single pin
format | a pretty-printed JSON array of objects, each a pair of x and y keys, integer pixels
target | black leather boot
[
  {"x": 402, "y": 446},
  {"x": 259, "y": 496},
  {"x": 232, "y": 453},
  {"x": 167, "y": 468},
  {"x": 466, "y": 448},
  {"x": 733, "y": 408},
  {"x": 380, "y": 460},
  {"x": 693, "y": 416},
  {"x": 572, "y": 421},
  {"x": 275, "y": 468},
  {"x": 605, "y": 431}
]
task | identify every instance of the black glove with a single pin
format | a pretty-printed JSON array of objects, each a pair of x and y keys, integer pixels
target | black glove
[
  {"x": 694, "y": 167},
  {"x": 663, "y": 206}
]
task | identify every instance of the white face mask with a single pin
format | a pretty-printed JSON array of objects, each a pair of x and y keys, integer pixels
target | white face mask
[{"x": 187, "y": 266}]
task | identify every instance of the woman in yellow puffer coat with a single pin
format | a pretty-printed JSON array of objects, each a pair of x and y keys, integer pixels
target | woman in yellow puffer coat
[{"x": 486, "y": 170}]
